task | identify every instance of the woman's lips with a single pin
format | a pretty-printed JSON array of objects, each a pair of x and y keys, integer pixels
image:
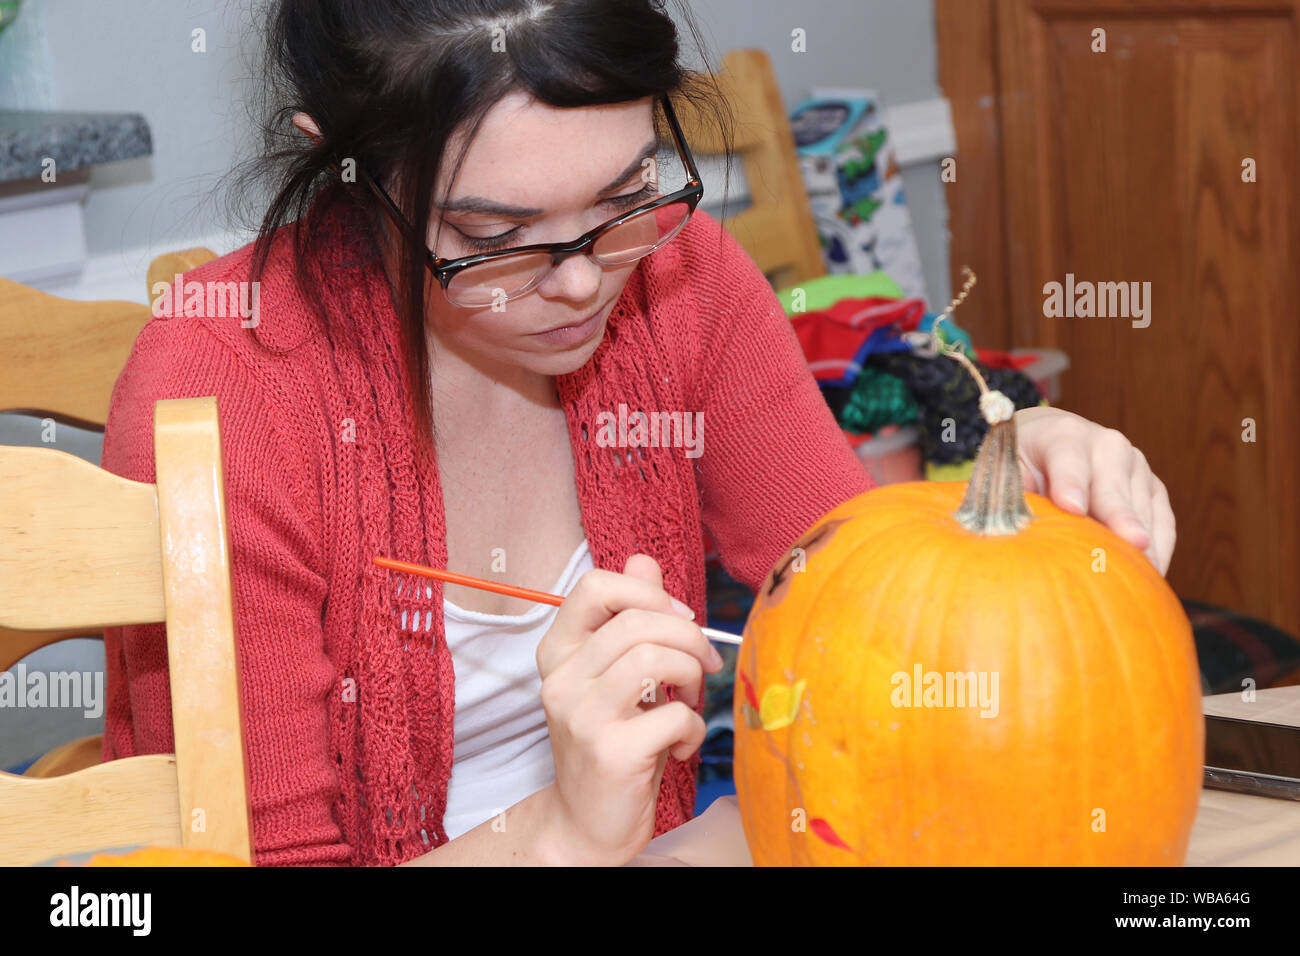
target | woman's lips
[{"x": 570, "y": 335}]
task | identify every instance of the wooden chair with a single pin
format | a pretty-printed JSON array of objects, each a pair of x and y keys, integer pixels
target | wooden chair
[
  {"x": 44, "y": 373},
  {"x": 45, "y": 376},
  {"x": 777, "y": 230},
  {"x": 131, "y": 553}
]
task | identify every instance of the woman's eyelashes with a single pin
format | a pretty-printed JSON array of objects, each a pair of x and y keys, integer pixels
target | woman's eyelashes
[
  {"x": 502, "y": 240},
  {"x": 644, "y": 194},
  {"x": 488, "y": 243}
]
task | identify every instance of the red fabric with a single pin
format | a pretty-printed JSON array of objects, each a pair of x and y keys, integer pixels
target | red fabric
[
  {"x": 994, "y": 358},
  {"x": 831, "y": 338},
  {"x": 322, "y": 472}
]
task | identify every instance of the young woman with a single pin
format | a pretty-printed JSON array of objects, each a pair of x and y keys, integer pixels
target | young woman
[{"x": 398, "y": 395}]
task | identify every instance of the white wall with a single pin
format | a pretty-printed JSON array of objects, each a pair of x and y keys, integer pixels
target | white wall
[{"x": 136, "y": 56}]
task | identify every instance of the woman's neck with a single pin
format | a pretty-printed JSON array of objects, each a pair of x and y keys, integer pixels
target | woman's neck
[
  {"x": 467, "y": 388},
  {"x": 471, "y": 392}
]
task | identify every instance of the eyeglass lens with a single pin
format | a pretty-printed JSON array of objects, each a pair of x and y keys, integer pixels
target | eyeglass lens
[{"x": 511, "y": 276}]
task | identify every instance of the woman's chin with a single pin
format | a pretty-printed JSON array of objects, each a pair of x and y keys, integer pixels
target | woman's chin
[{"x": 566, "y": 361}]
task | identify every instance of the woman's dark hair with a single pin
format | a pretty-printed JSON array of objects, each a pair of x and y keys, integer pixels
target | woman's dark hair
[{"x": 390, "y": 82}]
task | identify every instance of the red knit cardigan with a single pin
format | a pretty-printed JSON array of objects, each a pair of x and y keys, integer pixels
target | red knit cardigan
[{"x": 348, "y": 717}]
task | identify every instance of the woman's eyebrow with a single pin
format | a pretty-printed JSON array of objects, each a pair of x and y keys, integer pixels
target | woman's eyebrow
[
  {"x": 478, "y": 204},
  {"x": 648, "y": 151}
]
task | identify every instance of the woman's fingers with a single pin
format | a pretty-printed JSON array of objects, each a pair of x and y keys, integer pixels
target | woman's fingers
[
  {"x": 1089, "y": 469},
  {"x": 637, "y": 626},
  {"x": 673, "y": 727},
  {"x": 1142, "y": 489},
  {"x": 1112, "y": 487},
  {"x": 1068, "y": 470},
  {"x": 1142, "y": 493},
  {"x": 598, "y": 596},
  {"x": 644, "y": 567},
  {"x": 1164, "y": 530},
  {"x": 638, "y": 677}
]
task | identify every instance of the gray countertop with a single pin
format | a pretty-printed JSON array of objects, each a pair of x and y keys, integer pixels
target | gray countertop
[{"x": 73, "y": 140}]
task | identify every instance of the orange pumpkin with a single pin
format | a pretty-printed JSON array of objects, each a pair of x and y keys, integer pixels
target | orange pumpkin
[
  {"x": 166, "y": 856},
  {"x": 1077, "y": 737}
]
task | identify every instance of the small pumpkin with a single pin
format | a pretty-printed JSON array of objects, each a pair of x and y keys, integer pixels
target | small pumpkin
[
  {"x": 166, "y": 856},
  {"x": 1077, "y": 738}
]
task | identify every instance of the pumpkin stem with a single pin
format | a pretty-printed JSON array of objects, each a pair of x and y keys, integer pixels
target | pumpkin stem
[{"x": 995, "y": 496}]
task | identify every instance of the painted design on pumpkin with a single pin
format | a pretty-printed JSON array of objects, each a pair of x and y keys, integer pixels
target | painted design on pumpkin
[
  {"x": 778, "y": 582},
  {"x": 781, "y": 705},
  {"x": 749, "y": 706},
  {"x": 827, "y": 833},
  {"x": 779, "y": 708}
]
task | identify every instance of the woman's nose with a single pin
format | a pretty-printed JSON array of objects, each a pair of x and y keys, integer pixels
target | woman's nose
[{"x": 576, "y": 278}]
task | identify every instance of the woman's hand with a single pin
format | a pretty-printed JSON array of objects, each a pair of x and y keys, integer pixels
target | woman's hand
[
  {"x": 616, "y": 640},
  {"x": 1086, "y": 468}
]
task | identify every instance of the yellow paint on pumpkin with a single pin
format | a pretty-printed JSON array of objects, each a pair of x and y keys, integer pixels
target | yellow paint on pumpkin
[{"x": 780, "y": 705}]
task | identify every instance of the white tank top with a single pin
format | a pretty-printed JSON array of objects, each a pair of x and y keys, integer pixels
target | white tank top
[{"x": 502, "y": 748}]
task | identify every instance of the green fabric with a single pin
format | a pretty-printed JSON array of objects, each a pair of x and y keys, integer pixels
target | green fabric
[
  {"x": 825, "y": 291},
  {"x": 878, "y": 399},
  {"x": 8, "y": 12},
  {"x": 961, "y": 471}
]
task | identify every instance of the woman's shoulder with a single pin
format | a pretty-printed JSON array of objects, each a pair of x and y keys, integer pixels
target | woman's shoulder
[
  {"x": 703, "y": 295},
  {"x": 260, "y": 309},
  {"x": 214, "y": 331},
  {"x": 705, "y": 262},
  {"x": 224, "y": 298}
]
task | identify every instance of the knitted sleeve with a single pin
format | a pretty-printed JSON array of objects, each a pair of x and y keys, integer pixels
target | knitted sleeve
[
  {"x": 278, "y": 589},
  {"x": 774, "y": 460}
]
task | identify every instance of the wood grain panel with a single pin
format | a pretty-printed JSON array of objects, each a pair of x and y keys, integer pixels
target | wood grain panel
[
  {"x": 966, "y": 34},
  {"x": 1125, "y": 166}
]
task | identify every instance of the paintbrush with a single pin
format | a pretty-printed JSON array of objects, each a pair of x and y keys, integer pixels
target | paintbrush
[{"x": 541, "y": 597}]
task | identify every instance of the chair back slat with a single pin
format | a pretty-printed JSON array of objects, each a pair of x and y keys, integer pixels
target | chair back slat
[
  {"x": 128, "y": 802},
  {"x": 778, "y": 230},
  {"x": 79, "y": 546},
  {"x": 44, "y": 373},
  {"x": 210, "y": 757},
  {"x": 78, "y": 543}
]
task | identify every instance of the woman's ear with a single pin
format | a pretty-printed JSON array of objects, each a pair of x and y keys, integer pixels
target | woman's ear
[{"x": 307, "y": 125}]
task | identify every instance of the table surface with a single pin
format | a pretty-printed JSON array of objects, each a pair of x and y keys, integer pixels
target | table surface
[
  {"x": 1237, "y": 829},
  {"x": 1231, "y": 829}
]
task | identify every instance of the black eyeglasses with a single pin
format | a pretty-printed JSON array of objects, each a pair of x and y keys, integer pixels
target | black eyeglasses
[{"x": 490, "y": 277}]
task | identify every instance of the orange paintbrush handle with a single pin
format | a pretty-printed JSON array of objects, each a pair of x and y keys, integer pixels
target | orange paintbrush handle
[{"x": 451, "y": 577}]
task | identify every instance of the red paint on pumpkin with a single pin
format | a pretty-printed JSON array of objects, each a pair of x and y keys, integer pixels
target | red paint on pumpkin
[
  {"x": 824, "y": 830},
  {"x": 749, "y": 689}
]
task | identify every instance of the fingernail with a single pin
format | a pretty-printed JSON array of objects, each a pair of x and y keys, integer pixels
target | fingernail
[
  {"x": 715, "y": 656},
  {"x": 1074, "y": 498},
  {"x": 683, "y": 610}
]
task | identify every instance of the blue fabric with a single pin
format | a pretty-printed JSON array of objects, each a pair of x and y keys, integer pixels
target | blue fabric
[{"x": 710, "y": 791}]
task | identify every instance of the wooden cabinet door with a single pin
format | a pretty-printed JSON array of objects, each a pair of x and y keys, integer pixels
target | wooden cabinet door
[{"x": 1134, "y": 165}]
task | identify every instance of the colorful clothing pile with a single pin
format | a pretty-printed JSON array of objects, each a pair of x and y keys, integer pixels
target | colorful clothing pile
[{"x": 866, "y": 345}]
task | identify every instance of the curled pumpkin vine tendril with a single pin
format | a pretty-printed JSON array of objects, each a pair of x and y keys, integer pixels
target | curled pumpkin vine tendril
[{"x": 994, "y": 405}]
